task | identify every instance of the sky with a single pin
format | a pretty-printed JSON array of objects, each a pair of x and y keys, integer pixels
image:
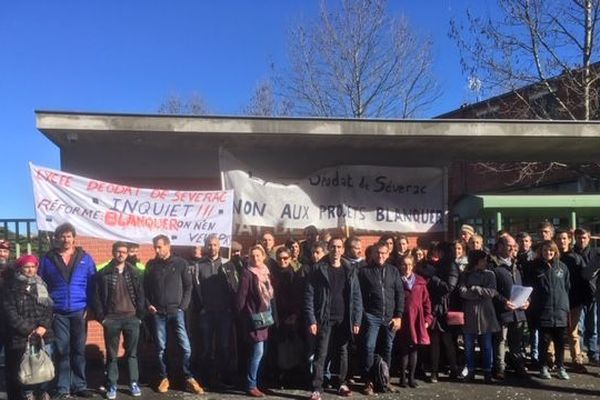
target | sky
[{"x": 129, "y": 56}]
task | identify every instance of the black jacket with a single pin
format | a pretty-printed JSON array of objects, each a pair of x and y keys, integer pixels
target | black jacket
[
  {"x": 23, "y": 313},
  {"x": 592, "y": 267},
  {"x": 106, "y": 280},
  {"x": 317, "y": 295},
  {"x": 506, "y": 277},
  {"x": 215, "y": 284},
  {"x": 581, "y": 291},
  {"x": 382, "y": 291},
  {"x": 550, "y": 297},
  {"x": 442, "y": 282},
  {"x": 168, "y": 284}
]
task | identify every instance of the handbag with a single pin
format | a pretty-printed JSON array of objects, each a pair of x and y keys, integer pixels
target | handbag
[
  {"x": 36, "y": 365},
  {"x": 455, "y": 318},
  {"x": 261, "y": 320}
]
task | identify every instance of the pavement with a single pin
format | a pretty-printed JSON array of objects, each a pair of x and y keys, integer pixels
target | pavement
[{"x": 580, "y": 386}]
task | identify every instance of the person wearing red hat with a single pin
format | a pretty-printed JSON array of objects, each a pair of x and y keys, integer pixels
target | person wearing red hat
[{"x": 28, "y": 312}]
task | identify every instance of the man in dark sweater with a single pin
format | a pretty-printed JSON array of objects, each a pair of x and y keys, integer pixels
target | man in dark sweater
[
  {"x": 168, "y": 290},
  {"x": 214, "y": 282},
  {"x": 383, "y": 302},
  {"x": 333, "y": 309},
  {"x": 120, "y": 306}
]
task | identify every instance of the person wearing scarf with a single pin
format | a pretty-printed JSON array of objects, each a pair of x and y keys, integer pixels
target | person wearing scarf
[
  {"x": 254, "y": 296},
  {"x": 417, "y": 318},
  {"x": 28, "y": 312}
]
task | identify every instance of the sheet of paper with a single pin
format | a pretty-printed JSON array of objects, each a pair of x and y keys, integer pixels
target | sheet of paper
[{"x": 520, "y": 294}]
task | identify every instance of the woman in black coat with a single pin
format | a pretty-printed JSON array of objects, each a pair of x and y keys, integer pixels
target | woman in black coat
[
  {"x": 28, "y": 311},
  {"x": 550, "y": 305},
  {"x": 442, "y": 278}
]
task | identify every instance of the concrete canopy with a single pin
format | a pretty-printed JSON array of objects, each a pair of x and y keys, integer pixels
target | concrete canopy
[{"x": 384, "y": 142}]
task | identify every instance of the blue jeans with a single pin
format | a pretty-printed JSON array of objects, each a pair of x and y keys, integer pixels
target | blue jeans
[
  {"x": 177, "y": 321},
  {"x": 256, "y": 354},
  {"x": 376, "y": 331},
  {"x": 589, "y": 326},
  {"x": 215, "y": 327},
  {"x": 485, "y": 342},
  {"x": 70, "y": 331}
]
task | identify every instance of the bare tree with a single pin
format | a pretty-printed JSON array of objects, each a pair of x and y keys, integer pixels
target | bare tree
[
  {"x": 192, "y": 105},
  {"x": 265, "y": 102},
  {"x": 542, "y": 53},
  {"x": 550, "y": 44},
  {"x": 358, "y": 61}
]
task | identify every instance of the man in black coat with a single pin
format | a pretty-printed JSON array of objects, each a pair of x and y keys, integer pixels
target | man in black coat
[
  {"x": 512, "y": 319},
  {"x": 383, "y": 303},
  {"x": 333, "y": 309},
  {"x": 168, "y": 290},
  {"x": 590, "y": 326}
]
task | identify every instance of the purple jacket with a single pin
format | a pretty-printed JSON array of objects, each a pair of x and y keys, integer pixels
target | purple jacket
[{"x": 248, "y": 301}]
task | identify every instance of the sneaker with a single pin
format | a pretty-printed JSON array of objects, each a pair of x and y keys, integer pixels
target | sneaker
[
  {"x": 192, "y": 386},
  {"x": 368, "y": 390},
  {"x": 61, "y": 396},
  {"x": 344, "y": 391},
  {"x": 562, "y": 374},
  {"x": 45, "y": 396},
  {"x": 545, "y": 373},
  {"x": 315, "y": 396},
  {"x": 29, "y": 396},
  {"x": 163, "y": 386},
  {"x": 499, "y": 375},
  {"x": 433, "y": 378},
  {"x": 135, "y": 390},
  {"x": 470, "y": 377},
  {"x": 111, "y": 392}
]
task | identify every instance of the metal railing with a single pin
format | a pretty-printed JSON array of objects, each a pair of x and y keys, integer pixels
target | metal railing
[{"x": 24, "y": 236}]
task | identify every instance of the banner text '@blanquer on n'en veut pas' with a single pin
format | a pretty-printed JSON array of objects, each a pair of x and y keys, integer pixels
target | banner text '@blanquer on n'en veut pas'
[{"x": 120, "y": 212}]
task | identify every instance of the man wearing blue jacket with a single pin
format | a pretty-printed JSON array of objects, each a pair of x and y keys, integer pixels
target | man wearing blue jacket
[{"x": 69, "y": 272}]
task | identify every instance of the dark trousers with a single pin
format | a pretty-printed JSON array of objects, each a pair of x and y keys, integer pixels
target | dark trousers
[
  {"x": 556, "y": 335},
  {"x": 215, "y": 331},
  {"x": 408, "y": 360},
  {"x": 70, "y": 331},
  {"x": 332, "y": 339},
  {"x": 130, "y": 327},
  {"x": 378, "y": 335},
  {"x": 509, "y": 337},
  {"x": 437, "y": 340}
]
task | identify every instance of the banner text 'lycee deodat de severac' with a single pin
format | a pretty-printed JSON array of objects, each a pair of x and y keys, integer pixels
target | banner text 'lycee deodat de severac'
[
  {"x": 119, "y": 212},
  {"x": 374, "y": 198}
]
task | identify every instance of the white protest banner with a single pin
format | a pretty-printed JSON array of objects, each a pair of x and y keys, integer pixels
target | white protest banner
[
  {"x": 119, "y": 212},
  {"x": 362, "y": 197}
]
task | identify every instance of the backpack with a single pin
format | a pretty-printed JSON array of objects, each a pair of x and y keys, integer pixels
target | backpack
[{"x": 380, "y": 374}]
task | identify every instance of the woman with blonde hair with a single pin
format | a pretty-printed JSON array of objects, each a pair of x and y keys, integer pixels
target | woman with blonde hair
[{"x": 254, "y": 299}]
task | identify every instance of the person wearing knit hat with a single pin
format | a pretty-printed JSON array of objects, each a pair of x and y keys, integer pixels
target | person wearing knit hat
[
  {"x": 28, "y": 313},
  {"x": 27, "y": 259},
  {"x": 466, "y": 231}
]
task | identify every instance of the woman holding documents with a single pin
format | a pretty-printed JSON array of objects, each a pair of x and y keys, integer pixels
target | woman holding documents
[{"x": 550, "y": 305}]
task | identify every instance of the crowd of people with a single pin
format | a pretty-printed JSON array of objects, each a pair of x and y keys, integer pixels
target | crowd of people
[{"x": 321, "y": 312}]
